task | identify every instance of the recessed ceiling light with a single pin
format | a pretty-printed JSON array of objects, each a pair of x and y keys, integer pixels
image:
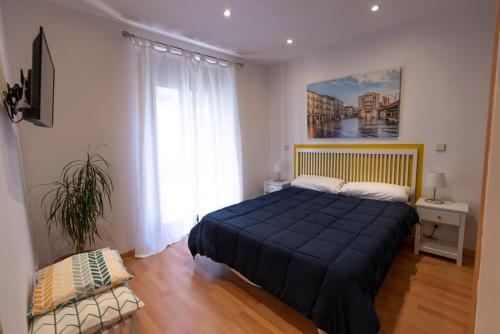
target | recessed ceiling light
[
  {"x": 289, "y": 41},
  {"x": 227, "y": 13},
  {"x": 375, "y": 8}
]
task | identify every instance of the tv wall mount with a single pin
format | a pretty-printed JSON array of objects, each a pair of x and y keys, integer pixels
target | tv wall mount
[{"x": 14, "y": 95}]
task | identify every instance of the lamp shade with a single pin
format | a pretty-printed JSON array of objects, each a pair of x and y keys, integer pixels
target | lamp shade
[
  {"x": 435, "y": 180},
  {"x": 276, "y": 167}
]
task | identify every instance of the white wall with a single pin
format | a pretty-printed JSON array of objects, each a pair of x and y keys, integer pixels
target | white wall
[
  {"x": 16, "y": 254},
  {"x": 255, "y": 135},
  {"x": 445, "y": 62},
  {"x": 488, "y": 291},
  {"x": 93, "y": 105}
]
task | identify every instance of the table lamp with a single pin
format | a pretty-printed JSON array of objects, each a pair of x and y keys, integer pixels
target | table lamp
[
  {"x": 435, "y": 180},
  {"x": 276, "y": 169}
]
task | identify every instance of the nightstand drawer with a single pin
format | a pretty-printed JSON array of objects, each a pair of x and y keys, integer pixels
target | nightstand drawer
[
  {"x": 273, "y": 187},
  {"x": 439, "y": 216}
]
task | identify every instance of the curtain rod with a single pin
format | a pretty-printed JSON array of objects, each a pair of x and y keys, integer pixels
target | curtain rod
[{"x": 129, "y": 35}]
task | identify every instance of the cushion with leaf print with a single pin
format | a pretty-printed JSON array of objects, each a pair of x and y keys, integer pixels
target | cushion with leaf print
[
  {"x": 77, "y": 277},
  {"x": 88, "y": 315}
]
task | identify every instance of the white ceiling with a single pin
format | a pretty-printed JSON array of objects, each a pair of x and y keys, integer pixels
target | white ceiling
[{"x": 257, "y": 29}]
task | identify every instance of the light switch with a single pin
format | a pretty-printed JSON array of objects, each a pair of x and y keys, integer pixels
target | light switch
[
  {"x": 440, "y": 147},
  {"x": 287, "y": 147}
]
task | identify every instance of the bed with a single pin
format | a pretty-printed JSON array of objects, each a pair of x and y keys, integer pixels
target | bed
[{"x": 324, "y": 254}]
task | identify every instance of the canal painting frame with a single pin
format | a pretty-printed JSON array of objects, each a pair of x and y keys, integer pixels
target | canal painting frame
[{"x": 356, "y": 106}]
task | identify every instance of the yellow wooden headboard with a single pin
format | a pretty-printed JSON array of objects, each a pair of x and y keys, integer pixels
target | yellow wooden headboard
[{"x": 389, "y": 163}]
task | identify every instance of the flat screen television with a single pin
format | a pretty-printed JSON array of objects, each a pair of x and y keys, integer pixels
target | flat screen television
[{"x": 42, "y": 78}]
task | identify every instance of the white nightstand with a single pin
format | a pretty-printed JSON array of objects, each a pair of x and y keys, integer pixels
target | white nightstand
[
  {"x": 271, "y": 185},
  {"x": 449, "y": 213}
]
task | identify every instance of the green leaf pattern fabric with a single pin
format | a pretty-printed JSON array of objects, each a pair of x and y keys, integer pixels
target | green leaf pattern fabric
[
  {"x": 99, "y": 270},
  {"x": 77, "y": 277},
  {"x": 88, "y": 315},
  {"x": 82, "y": 279}
]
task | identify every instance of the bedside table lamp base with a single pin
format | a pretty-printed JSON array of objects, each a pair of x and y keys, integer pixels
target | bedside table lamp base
[
  {"x": 433, "y": 200},
  {"x": 277, "y": 170},
  {"x": 278, "y": 178}
]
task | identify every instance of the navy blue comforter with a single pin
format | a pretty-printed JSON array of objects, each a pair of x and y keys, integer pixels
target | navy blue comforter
[{"x": 325, "y": 255}]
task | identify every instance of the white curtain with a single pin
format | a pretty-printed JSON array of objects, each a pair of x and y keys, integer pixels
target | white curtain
[{"x": 188, "y": 145}]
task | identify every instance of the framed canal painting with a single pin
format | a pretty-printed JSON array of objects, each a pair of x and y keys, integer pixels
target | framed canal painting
[{"x": 357, "y": 106}]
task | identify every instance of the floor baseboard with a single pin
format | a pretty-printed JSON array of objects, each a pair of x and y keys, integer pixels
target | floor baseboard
[{"x": 129, "y": 253}]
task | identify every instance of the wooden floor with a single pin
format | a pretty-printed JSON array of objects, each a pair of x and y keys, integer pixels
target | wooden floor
[{"x": 421, "y": 294}]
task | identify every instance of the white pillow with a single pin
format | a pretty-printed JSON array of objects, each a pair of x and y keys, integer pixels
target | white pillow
[
  {"x": 320, "y": 183},
  {"x": 377, "y": 191}
]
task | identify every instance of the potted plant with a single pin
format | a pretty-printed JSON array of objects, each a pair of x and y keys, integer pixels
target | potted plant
[{"x": 78, "y": 199}]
